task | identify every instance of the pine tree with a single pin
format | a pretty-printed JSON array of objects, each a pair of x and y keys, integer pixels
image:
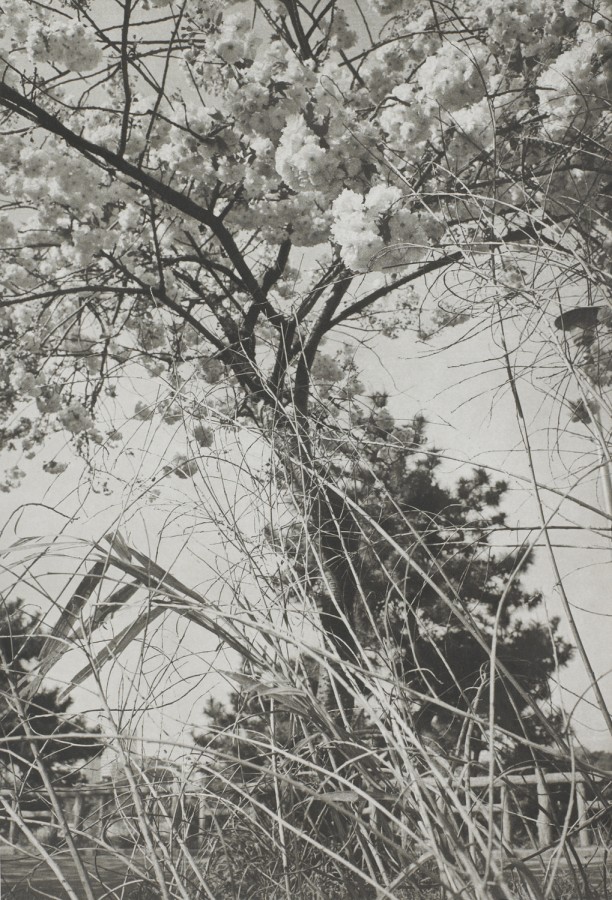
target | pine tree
[
  {"x": 446, "y": 532},
  {"x": 40, "y": 724},
  {"x": 439, "y": 662},
  {"x": 441, "y": 546}
]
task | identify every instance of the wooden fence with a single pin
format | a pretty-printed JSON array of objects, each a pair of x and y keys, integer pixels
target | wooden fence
[
  {"x": 579, "y": 813},
  {"x": 100, "y": 812},
  {"x": 525, "y": 805}
]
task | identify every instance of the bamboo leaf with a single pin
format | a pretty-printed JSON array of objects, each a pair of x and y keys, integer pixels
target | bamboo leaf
[
  {"x": 55, "y": 645},
  {"x": 108, "y": 608},
  {"x": 116, "y": 646},
  {"x": 118, "y": 544}
]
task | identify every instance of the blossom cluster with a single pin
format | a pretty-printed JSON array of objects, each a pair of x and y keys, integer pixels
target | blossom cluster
[
  {"x": 375, "y": 232},
  {"x": 428, "y": 139},
  {"x": 71, "y": 47}
]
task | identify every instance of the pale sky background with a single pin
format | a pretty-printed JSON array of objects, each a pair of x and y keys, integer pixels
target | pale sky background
[
  {"x": 461, "y": 390},
  {"x": 472, "y": 420}
]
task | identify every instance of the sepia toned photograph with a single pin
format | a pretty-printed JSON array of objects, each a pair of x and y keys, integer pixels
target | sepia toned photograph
[{"x": 305, "y": 450}]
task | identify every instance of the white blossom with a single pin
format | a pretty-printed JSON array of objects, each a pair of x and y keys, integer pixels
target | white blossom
[
  {"x": 70, "y": 46},
  {"x": 300, "y": 160},
  {"x": 230, "y": 49},
  {"x": 454, "y": 76},
  {"x": 53, "y": 467},
  {"x": 343, "y": 35},
  {"x": 75, "y": 418},
  {"x": 8, "y": 232}
]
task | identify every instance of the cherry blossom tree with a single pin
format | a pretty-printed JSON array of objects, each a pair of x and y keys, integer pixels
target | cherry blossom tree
[
  {"x": 210, "y": 193},
  {"x": 215, "y": 195},
  {"x": 221, "y": 190}
]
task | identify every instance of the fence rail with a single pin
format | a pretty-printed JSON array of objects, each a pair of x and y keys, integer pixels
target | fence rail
[
  {"x": 98, "y": 811},
  {"x": 581, "y": 810}
]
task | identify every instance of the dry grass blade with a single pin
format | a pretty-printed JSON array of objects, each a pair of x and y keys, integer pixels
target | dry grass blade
[
  {"x": 114, "y": 647},
  {"x": 67, "y": 624}
]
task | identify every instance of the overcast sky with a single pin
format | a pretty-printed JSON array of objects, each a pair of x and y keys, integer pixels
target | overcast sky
[{"x": 473, "y": 422}]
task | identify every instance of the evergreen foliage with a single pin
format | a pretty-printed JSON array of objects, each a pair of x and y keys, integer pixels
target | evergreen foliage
[
  {"x": 403, "y": 622},
  {"x": 37, "y": 723}
]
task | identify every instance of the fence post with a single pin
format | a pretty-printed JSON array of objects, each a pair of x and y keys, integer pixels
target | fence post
[
  {"x": 77, "y": 810},
  {"x": 405, "y": 833},
  {"x": 202, "y": 818},
  {"x": 13, "y": 832},
  {"x": 504, "y": 802},
  {"x": 99, "y": 807},
  {"x": 544, "y": 820},
  {"x": 584, "y": 835}
]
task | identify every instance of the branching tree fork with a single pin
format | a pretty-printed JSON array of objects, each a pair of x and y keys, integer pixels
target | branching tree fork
[{"x": 219, "y": 197}]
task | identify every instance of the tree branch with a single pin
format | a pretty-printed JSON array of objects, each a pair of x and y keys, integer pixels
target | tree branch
[
  {"x": 517, "y": 234},
  {"x": 275, "y": 272},
  {"x": 16, "y": 102}
]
